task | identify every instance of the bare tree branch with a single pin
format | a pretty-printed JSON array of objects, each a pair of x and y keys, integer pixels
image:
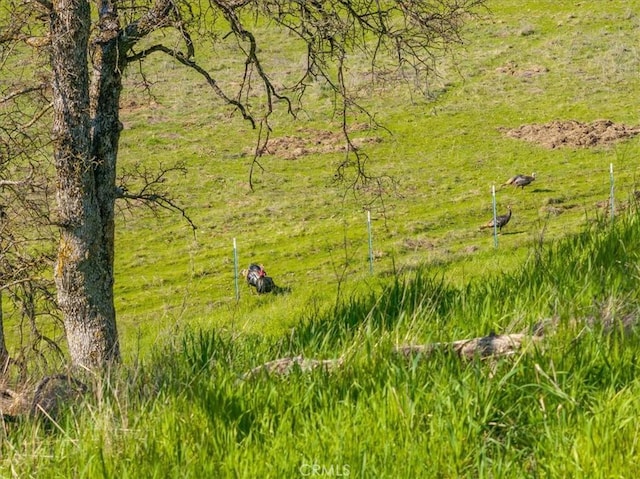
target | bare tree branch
[
  {"x": 193, "y": 65},
  {"x": 155, "y": 18},
  {"x": 23, "y": 91},
  {"x": 149, "y": 193}
]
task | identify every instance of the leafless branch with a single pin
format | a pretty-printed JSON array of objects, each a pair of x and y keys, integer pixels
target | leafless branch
[
  {"x": 155, "y": 18},
  {"x": 193, "y": 65},
  {"x": 150, "y": 193},
  {"x": 28, "y": 179},
  {"x": 23, "y": 91},
  {"x": 252, "y": 58},
  {"x": 16, "y": 282},
  {"x": 151, "y": 199},
  {"x": 261, "y": 145}
]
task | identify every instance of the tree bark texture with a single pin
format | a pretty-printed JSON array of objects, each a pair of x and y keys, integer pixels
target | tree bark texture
[
  {"x": 4, "y": 354},
  {"x": 85, "y": 136}
]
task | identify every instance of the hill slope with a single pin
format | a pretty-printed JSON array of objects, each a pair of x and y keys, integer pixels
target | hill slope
[{"x": 541, "y": 64}]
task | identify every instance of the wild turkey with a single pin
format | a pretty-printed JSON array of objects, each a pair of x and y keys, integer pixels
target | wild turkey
[
  {"x": 257, "y": 277},
  {"x": 501, "y": 220},
  {"x": 521, "y": 180}
]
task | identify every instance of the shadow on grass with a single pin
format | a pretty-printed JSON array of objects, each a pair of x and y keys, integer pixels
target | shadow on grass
[{"x": 542, "y": 190}]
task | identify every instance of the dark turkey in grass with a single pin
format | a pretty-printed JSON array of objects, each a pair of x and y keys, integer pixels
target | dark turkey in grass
[
  {"x": 520, "y": 180},
  {"x": 501, "y": 220},
  {"x": 257, "y": 277}
]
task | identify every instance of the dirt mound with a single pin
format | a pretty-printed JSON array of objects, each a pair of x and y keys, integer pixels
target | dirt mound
[
  {"x": 514, "y": 70},
  {"x": 311, "y": 141},
  {"x": 573, "y": 134}
]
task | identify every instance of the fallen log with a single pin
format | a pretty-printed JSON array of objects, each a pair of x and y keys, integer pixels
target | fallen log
[
  {"x": 285, "y": 366},
  {"x": 13, "y": 405},
  {"x": 485, "y": 346},
  {"x": 482, "y": 347},
  {"x": 46, "y": 400}
]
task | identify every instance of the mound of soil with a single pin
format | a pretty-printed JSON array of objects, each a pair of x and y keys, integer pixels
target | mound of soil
[
  {"x": 312, "y": 141},
  {"x": 573, "y": 134},
  {"x": 514, "y": 70}
]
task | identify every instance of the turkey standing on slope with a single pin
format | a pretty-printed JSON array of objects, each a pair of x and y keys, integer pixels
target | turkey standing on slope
[
  {"x": 257, "y": 277},
  {"x": 501, "y": 220},
  {"x": 521, "y": 180}
]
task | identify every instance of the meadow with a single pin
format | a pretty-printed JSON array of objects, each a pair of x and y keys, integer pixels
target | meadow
[
  {"x": 564, "y": 407},
  {"x": 444, "y": 149}
]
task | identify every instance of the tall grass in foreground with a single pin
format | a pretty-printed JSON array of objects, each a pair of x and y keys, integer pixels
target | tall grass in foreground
[{"x": 566, "y": 409}]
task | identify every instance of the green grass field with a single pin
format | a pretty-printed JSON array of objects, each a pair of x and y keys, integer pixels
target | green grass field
[
  {"x": 444, "y": 149},
  {"x": 566, "y": 408}
]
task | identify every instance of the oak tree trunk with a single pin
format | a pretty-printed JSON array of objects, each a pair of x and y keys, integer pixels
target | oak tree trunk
[
  {"x": 4, "y": 354},
  {"x": 85, "y": 134}
]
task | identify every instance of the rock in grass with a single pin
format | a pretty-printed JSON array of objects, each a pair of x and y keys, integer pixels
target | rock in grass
[{"x": 50, "y": 397}]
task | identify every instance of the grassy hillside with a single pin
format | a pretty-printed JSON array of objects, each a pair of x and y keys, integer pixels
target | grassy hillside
[
  {"x": 564, "y": 407},
  {"x": 445, "y": 148}
]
